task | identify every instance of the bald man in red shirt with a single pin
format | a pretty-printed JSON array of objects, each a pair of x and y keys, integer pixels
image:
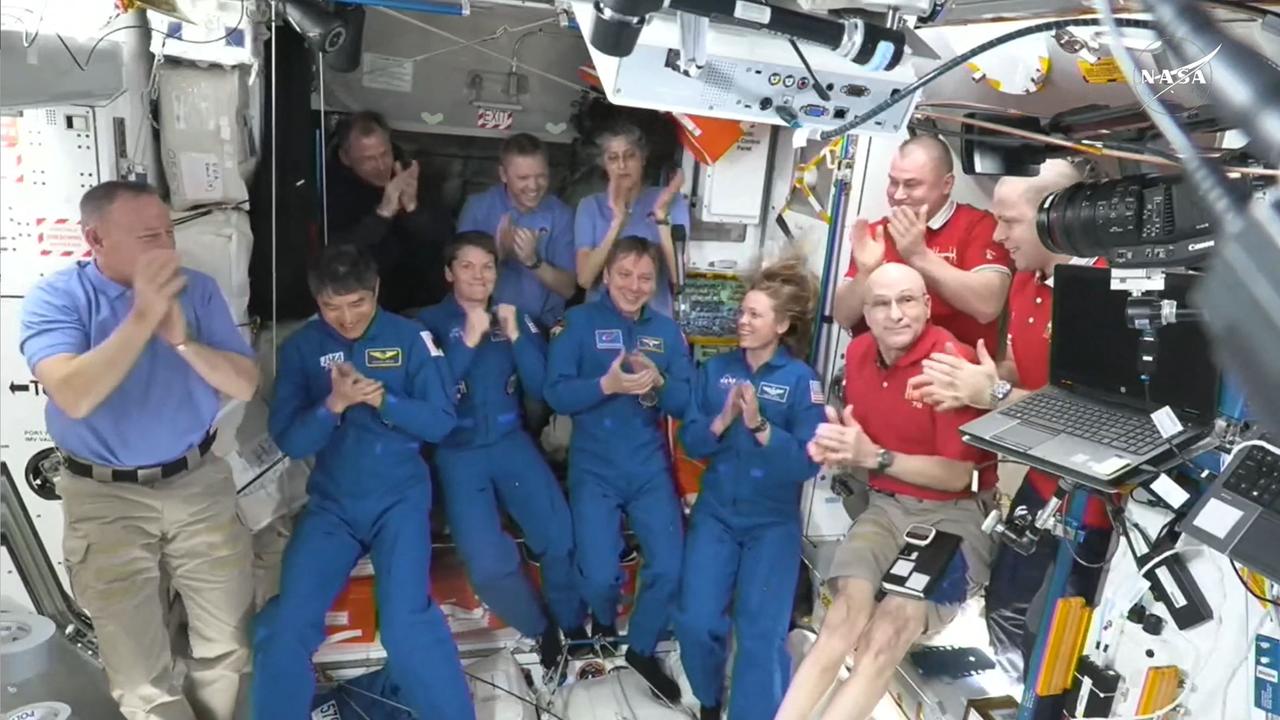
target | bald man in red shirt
[
  {"x": 948, "y": 381},
  {"x": 949, "y": 243},
  {"x": 920, "y": 472}
]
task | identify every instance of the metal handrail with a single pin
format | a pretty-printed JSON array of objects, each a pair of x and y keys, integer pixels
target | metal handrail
[{"x": 18, "y": 534}]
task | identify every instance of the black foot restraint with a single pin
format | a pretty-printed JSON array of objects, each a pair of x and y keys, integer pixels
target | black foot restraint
[
  {"x": 550, "y": 648},
  {"x": 651, "y": 670}
]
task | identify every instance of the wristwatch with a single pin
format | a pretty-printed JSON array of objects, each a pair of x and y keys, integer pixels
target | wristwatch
[
  {"x": 999, "y": 391},
  {"x": 537, "y": 263},
  {"x": 761, "y": 426},
  {"x": 884, "y": 459}
]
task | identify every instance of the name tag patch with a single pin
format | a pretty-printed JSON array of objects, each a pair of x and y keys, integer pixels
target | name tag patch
[
  {"x": 328, "y": 361},
  {"x": 609, "y": 339},
  {"x": 649, "y": 344},
  {"x": 430, "y": 341},
  {"x": 776, "y": 393},
  {"x": 382, "y": 357}
]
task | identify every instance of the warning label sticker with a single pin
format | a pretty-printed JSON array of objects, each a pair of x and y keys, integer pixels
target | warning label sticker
[
  {"x": 1105, "y": 70},
  {"x": 60, "y": 237}
]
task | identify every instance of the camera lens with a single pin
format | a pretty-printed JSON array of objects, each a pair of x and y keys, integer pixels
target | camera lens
[{"x": 614, "y": 33}]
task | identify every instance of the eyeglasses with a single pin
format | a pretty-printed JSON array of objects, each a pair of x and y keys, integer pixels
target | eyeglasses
[{"x": 906, "y": 303}]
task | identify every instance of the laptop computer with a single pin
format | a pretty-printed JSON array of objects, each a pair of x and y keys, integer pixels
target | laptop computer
[
  {"x": 1093, "y": 422},
  {"x": 1239, "y": 516}
]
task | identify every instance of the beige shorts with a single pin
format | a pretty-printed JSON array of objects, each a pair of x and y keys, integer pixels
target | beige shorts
[{"x": 873, "y": 543}]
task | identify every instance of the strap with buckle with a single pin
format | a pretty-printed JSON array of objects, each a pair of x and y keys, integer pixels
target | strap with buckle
[{"x": 146, "y": 474}]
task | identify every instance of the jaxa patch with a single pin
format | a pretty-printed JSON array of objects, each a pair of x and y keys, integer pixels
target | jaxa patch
[
  {"x": 609, "y": 339},
  {"x": 383, "y": 357},
  {"x": 329, "y": 361},
  {"x": 511, "y": 384},
  {"x": 430, "y": 341},
  {"x": 649, "y": 344},
  {"x": 815, "y": 392},
  {"x": 776, "y": 393},
  {"x": 529, "y": 323},
  {"x": 556, "y": 329}
]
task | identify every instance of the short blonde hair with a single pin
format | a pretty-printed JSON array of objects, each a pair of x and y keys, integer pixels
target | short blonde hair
[{"x": 1055, "y": 174}]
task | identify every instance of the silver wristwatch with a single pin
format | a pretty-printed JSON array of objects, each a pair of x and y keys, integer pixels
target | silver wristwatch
[{"x": 999, "y": 391}]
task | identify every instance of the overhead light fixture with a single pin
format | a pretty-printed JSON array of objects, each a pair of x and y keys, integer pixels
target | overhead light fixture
[{"x": 324, "y": 31}]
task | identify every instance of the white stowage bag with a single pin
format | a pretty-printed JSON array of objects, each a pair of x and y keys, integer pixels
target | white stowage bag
[
  {"x": 269, "y": 485},
  {"x": 204, "y": 135},
  {"x": 513, "y": 701},
  {"x": 219, "y": 244},
  {"x": 206, "y": 31}
]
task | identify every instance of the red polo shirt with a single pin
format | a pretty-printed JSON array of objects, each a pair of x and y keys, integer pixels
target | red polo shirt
[
  {"x": 878, "y": 395},
  {"x": 961, "y": 235},
  {"x": 1030, "y": 330}
]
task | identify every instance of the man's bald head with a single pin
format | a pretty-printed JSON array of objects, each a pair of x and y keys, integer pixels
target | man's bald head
[
  {"x": 920, "y": 175},
  {"x": 892, "y": 278},
  {"x": 933, "y": 147},
  {"x": 897, "y": 308},
  {"x": 1015, "y": 203}
]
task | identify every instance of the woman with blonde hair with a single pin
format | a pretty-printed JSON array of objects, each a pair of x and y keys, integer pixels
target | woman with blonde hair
[{"x": 753, "y": 412}]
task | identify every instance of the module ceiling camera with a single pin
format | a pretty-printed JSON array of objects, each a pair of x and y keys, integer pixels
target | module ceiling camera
[{"x": 324, "y": 31}]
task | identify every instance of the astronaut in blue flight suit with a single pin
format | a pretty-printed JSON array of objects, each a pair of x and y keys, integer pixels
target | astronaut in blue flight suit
[
  {"x": 618, "y": 456},
  {"x": 361, "y": 389},
  {"x": 754, "y": 410},
  {"x": 532, "y": 229},
  {"x": 489, "y": 460}
]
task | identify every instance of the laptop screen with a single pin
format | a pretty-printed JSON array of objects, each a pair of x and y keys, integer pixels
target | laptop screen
[{"x": 1094, "y": 350}]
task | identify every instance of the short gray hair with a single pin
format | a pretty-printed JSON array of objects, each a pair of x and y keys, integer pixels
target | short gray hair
[
  {"x": 621, "y": 131},
  {"x": 99, "y": 198}
]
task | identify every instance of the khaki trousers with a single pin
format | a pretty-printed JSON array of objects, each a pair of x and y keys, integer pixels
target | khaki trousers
[{"x": 120, "y": 539}]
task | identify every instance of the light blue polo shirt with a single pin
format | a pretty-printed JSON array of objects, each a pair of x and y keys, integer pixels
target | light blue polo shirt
[
  {"x": 162, "y": 408},
  {"x": 552, "y": 220},
  {"x": 593, "y": 220}
]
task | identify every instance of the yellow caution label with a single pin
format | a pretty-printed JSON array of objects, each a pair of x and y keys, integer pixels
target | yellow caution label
[{"x": 1105, "y": 70}]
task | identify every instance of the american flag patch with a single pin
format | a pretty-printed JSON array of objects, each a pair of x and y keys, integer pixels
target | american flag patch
[{"x": 815, "y": 392}]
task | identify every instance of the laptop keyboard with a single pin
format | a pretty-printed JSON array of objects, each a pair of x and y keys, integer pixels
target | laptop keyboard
[
  {"x": 1256, "y": 477},
  {"x": 1128, "y": 432}
]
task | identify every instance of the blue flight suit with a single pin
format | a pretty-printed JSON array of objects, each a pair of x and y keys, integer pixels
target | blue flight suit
[
  {"x": 743, "y": 550},
  {"x": 552, "y": 220},
  {"x": 619, "y": 461},
  {"x": 489, "y": 459},
  {"x": 369, "y": 492}
]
